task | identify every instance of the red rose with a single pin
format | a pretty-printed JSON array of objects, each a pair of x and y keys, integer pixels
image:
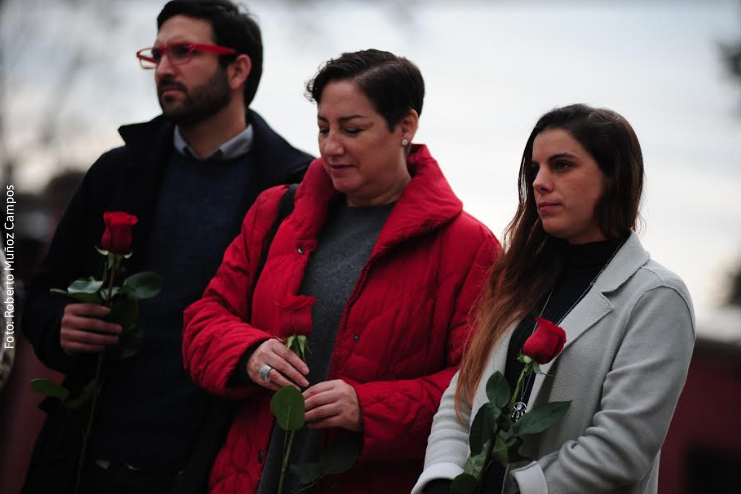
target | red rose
[
  {"x": 295, "y": 314},
  {"x": 546, "y": 342},
  {"x": 117, "y": 236}
]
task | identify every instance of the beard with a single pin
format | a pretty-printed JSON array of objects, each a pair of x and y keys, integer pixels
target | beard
[{"x": 199, "y": 103}]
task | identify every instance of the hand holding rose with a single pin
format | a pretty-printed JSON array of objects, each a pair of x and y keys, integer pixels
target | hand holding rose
[
  {"x": 333, "y": 404},
  {"x": 499, "y": 426},
  {"x": 288, "y": 368},
  {"x": 84, "y": 331}
]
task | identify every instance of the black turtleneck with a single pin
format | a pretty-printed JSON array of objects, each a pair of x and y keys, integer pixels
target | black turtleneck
[{"x": 583, "y": 263}]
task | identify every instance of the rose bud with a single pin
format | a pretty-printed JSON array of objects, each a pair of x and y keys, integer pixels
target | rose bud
[
  {"x": 117, "y": 236},
  {"x": 295, "y": 314},
  {"x": 546, "y": 342}
]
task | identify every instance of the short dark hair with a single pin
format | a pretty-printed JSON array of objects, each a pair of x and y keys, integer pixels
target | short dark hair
[
  {"x": 612, "y": 142},
  {"x": 393, "y": 84},
  {"x": 231, "y": 28}
]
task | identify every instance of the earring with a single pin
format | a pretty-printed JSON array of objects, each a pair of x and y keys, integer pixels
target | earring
[{"x": 404, "y": 142}]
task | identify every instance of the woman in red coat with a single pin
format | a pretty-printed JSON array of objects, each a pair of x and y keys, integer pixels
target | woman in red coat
[{"x": 382, "y": 244}]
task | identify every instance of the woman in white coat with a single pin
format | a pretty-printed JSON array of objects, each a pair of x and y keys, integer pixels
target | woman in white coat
[{"x": 572, "y": 257}]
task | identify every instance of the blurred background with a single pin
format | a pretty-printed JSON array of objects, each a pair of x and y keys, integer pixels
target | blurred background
[{"x": 69, "y": 79}]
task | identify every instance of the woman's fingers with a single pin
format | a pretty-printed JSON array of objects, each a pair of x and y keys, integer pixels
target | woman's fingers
[
  {"x": 319, "y": 395},
  {"x": 333, "y": 404},
  {"x": 331, "y": 420},
  {"x": 287, "y": 369},
  {"x": 278, "y": 381}
]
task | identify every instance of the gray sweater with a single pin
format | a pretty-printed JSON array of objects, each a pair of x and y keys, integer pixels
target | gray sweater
[{"x": 344, "y": 246}]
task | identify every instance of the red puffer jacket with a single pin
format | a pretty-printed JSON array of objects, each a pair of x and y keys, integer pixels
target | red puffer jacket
[{"x": 400, "y": 337}]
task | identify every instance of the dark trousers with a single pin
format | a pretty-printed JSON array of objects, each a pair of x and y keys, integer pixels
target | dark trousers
[{"x": 120, "y": 479}]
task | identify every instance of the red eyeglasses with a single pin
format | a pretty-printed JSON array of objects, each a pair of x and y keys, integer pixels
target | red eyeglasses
[{"x": 179, "y": 53}]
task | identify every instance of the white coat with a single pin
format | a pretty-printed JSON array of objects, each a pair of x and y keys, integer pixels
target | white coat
[{"x": 628, "y": 347}]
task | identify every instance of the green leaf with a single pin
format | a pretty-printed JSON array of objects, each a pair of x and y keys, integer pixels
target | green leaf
[
  {"x": 516, "y": 457},
  {"x": 123, "y": 291},
  {"x": 498, "y": 391},
  {"x": 124, "y": 311},
  {"x": 289, "y": 342},
  {"x": 88, "y": 298},
  {"x": 85, "y": 396},
  {"x": 49, "y": 388},
  {"x": 143, "y": 285},
  {"x": 475, "y": 464},
  {"x": 499, "y": 452},
  {"x": 483, "y": 427},
  {"x": 297, "y": 343},
  {"x": 86, "y": 285},
  {"x": 340, "y": 456},
  {"x": 129, "y": 343},
  {"x": 302, "y": 346},
  {"x": 540, "y": 418},
  {"x": 114, "y": 260},
  {"x": 504, "y": 422},
  {"x": 307, "y": 473},
  {"x": 287, "y": 405},
  {"x": 101, "y": 251},
  {"x": 337, "y": 458},
  {"x": 512, "y": 441},
  {"x": 465, "y": 484}
]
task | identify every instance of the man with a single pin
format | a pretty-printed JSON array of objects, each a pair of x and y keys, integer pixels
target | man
[{"x": 190, "y": 176}]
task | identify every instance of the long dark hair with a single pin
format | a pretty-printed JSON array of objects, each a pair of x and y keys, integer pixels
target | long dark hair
[{"x": 533, "y": 259}]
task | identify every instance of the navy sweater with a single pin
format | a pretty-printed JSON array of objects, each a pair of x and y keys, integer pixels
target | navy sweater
[{"x": 148, "y": 418}]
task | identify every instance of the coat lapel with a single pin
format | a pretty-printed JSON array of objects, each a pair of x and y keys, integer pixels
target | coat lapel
[
  {"x": 596, "y": 304},
  {"x": 585, "y": 315},
  {"x": 496, "y": 362},
  {"x": 149, "y": 146}
]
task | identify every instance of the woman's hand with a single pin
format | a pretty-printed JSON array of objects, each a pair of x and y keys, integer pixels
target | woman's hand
[
  {"x": 287, "y": 368},
  {"x": 333, "y": 404}
]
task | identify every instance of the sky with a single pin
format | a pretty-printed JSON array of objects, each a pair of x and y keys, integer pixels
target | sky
[{"x": 490, "y": 68}]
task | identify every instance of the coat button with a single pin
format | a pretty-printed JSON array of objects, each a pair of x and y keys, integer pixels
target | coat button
[
  {"x": 260, "y": 456},
  {"x": 300, "y": 251},
  {"x": 356, "y": 337}
]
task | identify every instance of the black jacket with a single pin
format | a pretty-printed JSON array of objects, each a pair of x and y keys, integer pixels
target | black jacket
[{"x": 123, "y": 179}]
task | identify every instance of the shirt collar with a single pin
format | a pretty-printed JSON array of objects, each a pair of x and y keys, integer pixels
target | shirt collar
[{"x": 237, "y": 146}]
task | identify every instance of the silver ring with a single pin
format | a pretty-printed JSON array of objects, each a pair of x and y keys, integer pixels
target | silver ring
[{"x": 264, "y": 373}]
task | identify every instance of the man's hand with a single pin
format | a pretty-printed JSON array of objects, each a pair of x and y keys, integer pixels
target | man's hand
[
  {"x": 287, "y": 368},
  {"x": 333, "y": 404},
  {"x": 83, "y": 330}
]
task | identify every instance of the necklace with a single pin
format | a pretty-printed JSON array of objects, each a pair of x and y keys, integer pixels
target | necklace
[{"x": 520, "y": 407}]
